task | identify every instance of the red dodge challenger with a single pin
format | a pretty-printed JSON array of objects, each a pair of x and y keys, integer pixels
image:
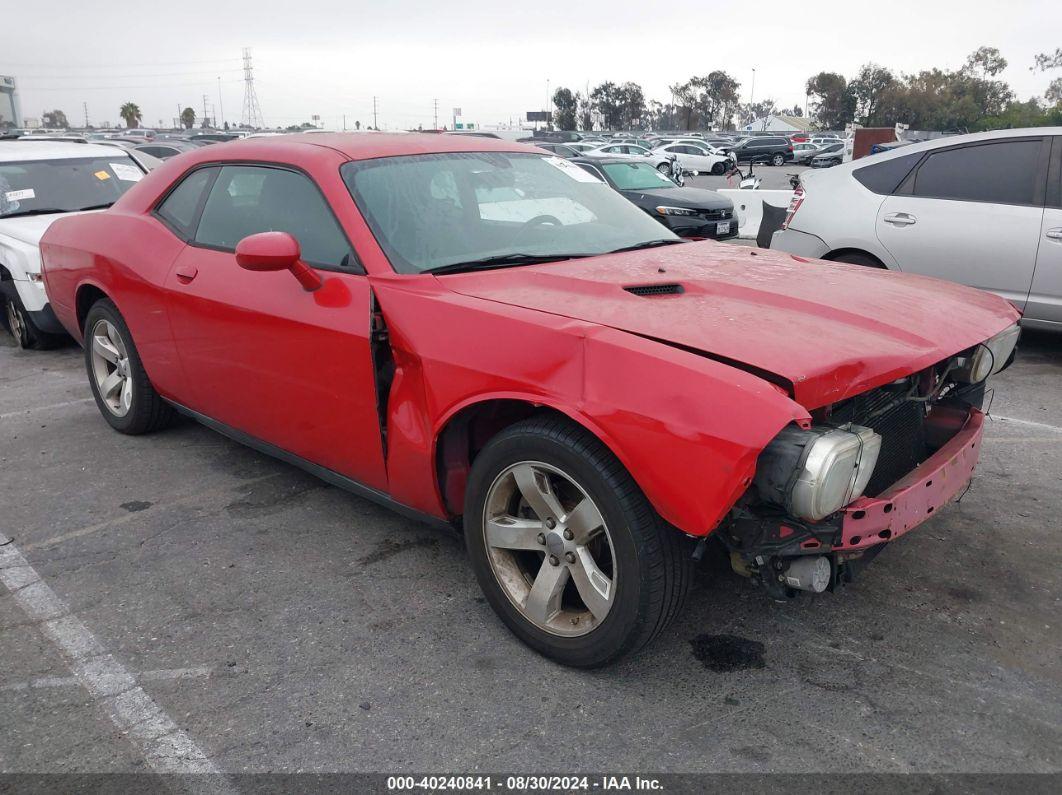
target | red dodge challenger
[{"x": 484, "y": 336}]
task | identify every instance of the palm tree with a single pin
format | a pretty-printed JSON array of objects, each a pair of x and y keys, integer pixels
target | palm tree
[
  {"x": 188, "y": 118},
  {"x": 131, "y": 113}
]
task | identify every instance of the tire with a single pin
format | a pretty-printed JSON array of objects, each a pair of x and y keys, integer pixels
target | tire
[
  {"x": 664, "y": 168},
  {"x": 778, "y": 159},
  {"x": 27, "y": 336},
  {"x": 646, "y": 563},
  {"x": 718, "y": 168},
  {"x": 855, "y": 258},
  {"x": 133, "y": 406}
]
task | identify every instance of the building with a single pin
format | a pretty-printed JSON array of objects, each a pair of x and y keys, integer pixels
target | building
[
  {"x": 779, "y": 123},
  {"x": 10, "y": 114}
]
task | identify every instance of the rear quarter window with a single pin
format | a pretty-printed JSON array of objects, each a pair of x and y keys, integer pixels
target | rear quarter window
[{"x": 885, "y": 177}]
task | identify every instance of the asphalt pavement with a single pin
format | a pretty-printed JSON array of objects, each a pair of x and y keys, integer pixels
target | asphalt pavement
[{"x": 180, "y": 597}]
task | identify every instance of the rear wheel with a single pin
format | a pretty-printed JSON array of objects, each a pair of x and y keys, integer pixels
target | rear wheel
[
  {"x": 778, "y": 159},
  {"x": 123, "y": 392},
  {"x": 567, "y": 549},
  {"x": 719, "y": 168},
  {"x": 664, "y": 168}
]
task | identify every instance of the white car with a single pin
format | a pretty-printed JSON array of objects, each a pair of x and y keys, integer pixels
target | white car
[
  {"x": 695, "y": 157},
  {"x": 656, "y": 159},
  {"x": 983, "y": 210},
  {"x": 40, "y": 181}
]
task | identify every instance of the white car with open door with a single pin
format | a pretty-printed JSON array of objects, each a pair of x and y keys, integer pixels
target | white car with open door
[
  {"x": 41, "y": 181},
  {"x": 983, "y": 210}
]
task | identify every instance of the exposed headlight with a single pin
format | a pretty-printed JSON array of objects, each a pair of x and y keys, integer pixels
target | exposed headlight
[
  {"x": 988, "y": 358},
  {"x": 675, "y": 211},
  {"x": 814, "y": 473}
]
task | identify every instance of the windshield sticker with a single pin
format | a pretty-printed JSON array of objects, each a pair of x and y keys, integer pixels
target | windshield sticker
[
  {"x": 19, "y": 195},
  {"x": 571, "y": 169},
  {"x": 126, "y": 172},
  {"x": 102, "y": 176}
]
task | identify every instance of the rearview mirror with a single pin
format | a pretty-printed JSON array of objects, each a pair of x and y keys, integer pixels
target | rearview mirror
[{"x": 276, "y": 251}]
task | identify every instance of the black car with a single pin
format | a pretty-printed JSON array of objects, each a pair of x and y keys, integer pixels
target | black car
[
  {"x": 561, "y": 150},
  {"x": 773, "y": 149},
  {"x": 688, "y": 212}
]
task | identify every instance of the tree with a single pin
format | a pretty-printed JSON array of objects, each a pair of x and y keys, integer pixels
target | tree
[
  {"x": 357, "y": 125},
  {"x": 1053, "y": 95},
  {"x": 130, "y": 111},
  {"x": 796, "y": 110},
  {"x": 715, "y": 97},
  {"x": 834, "y": 106},
  {"x": 566, "y": 107},
  {"x": 1045, "y": 61},
  {"x": 867, "y": 88},
  {"x": 631, "y": 100},
  {"x": 54, "y": 120},
  {"x": 585, "y": 112},
  {"x": 187, "y": 118},
  {"x": 985, "y": 62},
  {"x": 607, "y": 100},
  {"x": 685, "y": 95}
]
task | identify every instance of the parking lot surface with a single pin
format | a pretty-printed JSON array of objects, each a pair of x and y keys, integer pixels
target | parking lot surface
[{"x": 284, "y": 625}]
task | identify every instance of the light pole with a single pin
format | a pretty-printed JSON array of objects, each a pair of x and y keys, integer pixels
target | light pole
[{"x": 752, "y": 98}]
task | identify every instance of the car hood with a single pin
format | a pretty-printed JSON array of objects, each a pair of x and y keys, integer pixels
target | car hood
[
  {"x": 695, "y": 198},
  {"x": 29, "y": 229},
  {"x": 825, "y": 331}
]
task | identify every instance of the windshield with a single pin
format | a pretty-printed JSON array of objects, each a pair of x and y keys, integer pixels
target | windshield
[
  {"x": 42, "y": 186},
  {"x": 431, "y": 211},
  {"x": 636, "y": 176}
]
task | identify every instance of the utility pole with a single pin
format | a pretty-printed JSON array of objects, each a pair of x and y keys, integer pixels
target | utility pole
[
  {"x": 221, "y": 106},
  {"x": 752, "y": 95},
  {"x": 205, "y": 116},
  {"x": 375, "y": 126},
  {"x": 84, "y": 106},
  {"x": 344, "y": 122},
  {"x": 436, "y": 113}
]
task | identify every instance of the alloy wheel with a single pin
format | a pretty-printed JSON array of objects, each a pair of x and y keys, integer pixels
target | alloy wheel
[
  {"x": 15, "y": 324},
  {"x": 111, "y": 368},
  {"x": 550, "y": 549}
]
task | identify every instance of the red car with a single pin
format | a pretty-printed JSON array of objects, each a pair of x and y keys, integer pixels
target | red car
[{"x": 483, "y": 335}]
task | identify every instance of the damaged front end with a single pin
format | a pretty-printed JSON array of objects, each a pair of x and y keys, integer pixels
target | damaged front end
[{"x": 826, "y": 499}]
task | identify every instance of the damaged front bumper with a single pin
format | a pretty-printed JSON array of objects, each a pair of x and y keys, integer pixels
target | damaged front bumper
[{"x": 766, "y": 545}]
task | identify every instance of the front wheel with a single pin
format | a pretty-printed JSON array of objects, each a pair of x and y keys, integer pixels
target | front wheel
[
  {"x": 664, "y": 168},
  {"x": 719, "y": 168},
  {"x": 567, "y": 549},
  {"x": 778, "y": 159},
  {"x": 27, "y": 336},
  {"x": 123, "y": 392}
]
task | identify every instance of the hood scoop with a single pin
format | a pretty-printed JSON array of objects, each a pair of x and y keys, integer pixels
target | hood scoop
[{"x": 653, "y": 290}]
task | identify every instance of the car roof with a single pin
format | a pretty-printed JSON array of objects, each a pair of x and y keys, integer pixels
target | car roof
[
  {"x": 363, "y": 147},
  {"x": 608, "y": 161},
  {"x": 40, "y": 149},
  {"x": 945, "y": 141}
]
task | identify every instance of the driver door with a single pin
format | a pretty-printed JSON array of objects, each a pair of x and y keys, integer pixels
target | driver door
[{"x": 262, "y": 355}]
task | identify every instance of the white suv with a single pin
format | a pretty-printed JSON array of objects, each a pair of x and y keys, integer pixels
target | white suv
[
  {"x": 983, "y": 210},
  {"x": 40, "y": 181}
]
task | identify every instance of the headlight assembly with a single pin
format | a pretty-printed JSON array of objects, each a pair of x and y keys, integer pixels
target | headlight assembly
[
  {"x": 988, "y": 358},
  {"x": 814, "y": 473},
  {"x": 675, "y": 211}
]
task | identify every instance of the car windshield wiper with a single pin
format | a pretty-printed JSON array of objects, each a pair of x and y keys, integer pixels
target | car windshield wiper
[
  {"x": 647, "y": 244},
  {"x": 52, "y": 210},
  {"x": 502, "y": 261}
]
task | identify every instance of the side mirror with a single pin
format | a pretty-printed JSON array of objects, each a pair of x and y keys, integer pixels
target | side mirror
[{"x": 276, "y": 251}]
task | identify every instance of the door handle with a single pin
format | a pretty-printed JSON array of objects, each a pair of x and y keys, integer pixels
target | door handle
[
  {"x": 1054, "y": 234},
  {"x": 185, "y": 273},
  {"x": 899, "y": 219}
]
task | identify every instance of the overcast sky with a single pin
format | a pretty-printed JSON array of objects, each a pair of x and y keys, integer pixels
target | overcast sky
[{"x": 492, "y": 58}]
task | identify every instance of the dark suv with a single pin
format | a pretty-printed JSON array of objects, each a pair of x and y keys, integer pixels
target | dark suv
[{"x": 773, "y": 149}]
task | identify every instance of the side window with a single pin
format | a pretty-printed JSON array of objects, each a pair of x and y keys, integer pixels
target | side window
[
  {"x": 1005, "y": 172},
  {"x": 886, "y": 177},
  {"x": 179, "y": 208},
  {"x": 591, "y": 170},
  {"x": 246, "y": 200}
]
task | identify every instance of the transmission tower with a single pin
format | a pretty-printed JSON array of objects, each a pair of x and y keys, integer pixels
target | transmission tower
[{"x": 252, "y": 111}]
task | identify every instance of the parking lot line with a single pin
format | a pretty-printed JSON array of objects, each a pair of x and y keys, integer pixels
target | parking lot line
[
  {"x": 50, "y": 407},
  {"x": 1030, "y": 423},
  {"x": 165, "y": 747},
  {"x": 162, "y": 675}
]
